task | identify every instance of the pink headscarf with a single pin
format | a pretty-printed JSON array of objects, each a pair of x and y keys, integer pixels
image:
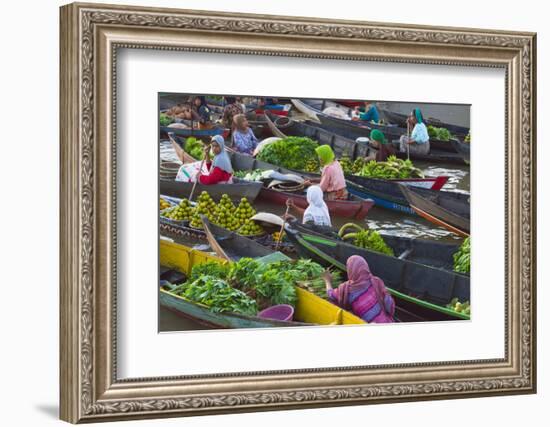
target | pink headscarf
[{"x": 361, "y": 278}]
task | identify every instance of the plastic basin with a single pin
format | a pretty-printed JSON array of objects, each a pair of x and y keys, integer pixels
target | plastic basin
[{"x": 278, "y": 312}]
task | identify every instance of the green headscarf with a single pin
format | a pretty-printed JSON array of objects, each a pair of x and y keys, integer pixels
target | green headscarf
[
  {"x": 325, "y": 153},
  {"x": 378, "y": 136},
  {"x": 418, "y": 115}
]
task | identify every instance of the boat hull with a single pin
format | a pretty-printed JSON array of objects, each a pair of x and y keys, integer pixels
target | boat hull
[
  {"x": 235, "y": 191},
  {"x": 309, "y": 308},
  {"x": 421, "y": 292},
  {"x": 357, "y": 209},
  {"x": 453, "y": 213}
]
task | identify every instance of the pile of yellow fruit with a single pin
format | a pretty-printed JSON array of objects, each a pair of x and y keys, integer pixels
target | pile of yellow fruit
[
  {"x": 244, "y": 211},
  {"x": 459, "y": 307},
  {"x": 164, "y": 204}
]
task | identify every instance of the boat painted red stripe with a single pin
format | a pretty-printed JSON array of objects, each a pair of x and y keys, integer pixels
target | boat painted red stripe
[{"x": 437, "y": 221}]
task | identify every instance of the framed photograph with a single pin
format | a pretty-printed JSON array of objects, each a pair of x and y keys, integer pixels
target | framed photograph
[{"x": 327, "y": 232}]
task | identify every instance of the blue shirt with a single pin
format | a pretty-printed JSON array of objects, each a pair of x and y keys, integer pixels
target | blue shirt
[
  {"x": 420, "y": 133},
  {"x": 371, "y": 115},
  {"x": 245, "y": 142}
]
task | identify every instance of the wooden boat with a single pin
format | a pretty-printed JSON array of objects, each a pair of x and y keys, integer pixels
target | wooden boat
[
  {"x": 355, "y": 207},
  {"x": 199, "y": 133},
  {"x": 277, "y": 109},
  {"x": 401, "y": 120},
  {"x": 181, "y": 232},
  {"x": 386, "y": 193},
  {"x": 309, "y": 309},
  {"x": 232, "y": 247},
  {"x": 462, "y": 148},
  {"x": 423, "y": 251},
  {"x": 302, "y": 107},
  {"x": 420, "y": 291},
  {"x": 353, "y": 130},
  {"x": 235, "y": 191},
  {"x": 447, "y": 209}
]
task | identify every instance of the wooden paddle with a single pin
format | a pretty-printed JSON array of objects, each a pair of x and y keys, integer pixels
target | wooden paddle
[
  {"x": 197, "y": 177},
  {"x": 282, "y": 228},
  {"x": 408, "y": 138}
]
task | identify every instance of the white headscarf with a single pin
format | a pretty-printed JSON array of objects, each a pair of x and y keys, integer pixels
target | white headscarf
[{"x": 317, "y": 211}]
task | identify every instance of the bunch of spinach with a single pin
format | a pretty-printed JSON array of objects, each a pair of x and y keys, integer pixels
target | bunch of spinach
[{"x": 292, "y": 152}]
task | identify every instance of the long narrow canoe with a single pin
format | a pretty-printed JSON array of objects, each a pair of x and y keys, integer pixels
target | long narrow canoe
[
  {"x": 232, "y": 247},
  {"x": 194, "y": 132},
  {"x": 463, "y": 149},
  {"x": 387, "y": 193},
  {"x": 423, "y": 251},
  {"x": 420, "y": 291},
  {"x": 353, "y": 130},
  {"x": 447, "y": 209},
  {"x": 401, "y": 120},
  {"x": 309, "y": 309},
  {"x": 235, "y": 191}
]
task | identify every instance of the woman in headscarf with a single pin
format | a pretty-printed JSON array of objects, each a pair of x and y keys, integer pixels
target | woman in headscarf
[
  {"x": 244, "y": 140},
  {"x": 363, "y": 294},
  {"x": 383, "y": 149},
  {"x": 219, "y": 168},
  {"x": 419, "y": 141},
  {"x": 317, "y": 211},
  {"x": 332, "y": 182}
]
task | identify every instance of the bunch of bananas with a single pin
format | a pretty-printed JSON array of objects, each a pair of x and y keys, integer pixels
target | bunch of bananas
[{"x": 365, "y": 238}]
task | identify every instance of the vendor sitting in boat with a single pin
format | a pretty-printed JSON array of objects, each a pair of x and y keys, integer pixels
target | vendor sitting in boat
[
  {"x": 202, "y": 112},
  {"x": 364, "y": 294},
  {"x": 231, "y": 109},
  {"x": 244, "y": 140},
  {"x": 371, "y": 113},
  {"x": 332, "y": 181},
  {"x": 380, "y": 143},
  {"x": 317, "y": 211},
  {"x": 220, "y": 170},
  {"x": 419, "y": 140}
]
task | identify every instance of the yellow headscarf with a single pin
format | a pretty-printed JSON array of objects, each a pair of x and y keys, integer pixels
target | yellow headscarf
[{"x": 325, "y": 153}]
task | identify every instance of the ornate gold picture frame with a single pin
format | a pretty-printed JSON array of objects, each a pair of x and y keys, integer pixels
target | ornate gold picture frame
[{"x": 90, "y": 37}]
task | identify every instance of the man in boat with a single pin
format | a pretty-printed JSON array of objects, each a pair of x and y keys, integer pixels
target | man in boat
[
  {"x": 201, "y": 112},
  {"x": 380, "y": 143},
  {"x": 419, "y": 141}
]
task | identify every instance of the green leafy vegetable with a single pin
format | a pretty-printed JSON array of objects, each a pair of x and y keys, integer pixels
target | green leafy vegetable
[
  {"x": 442, "y": 134},
  {"x": 194, "y": 148},
  {"x": 292, "y": 152},
  {"x": 165, "y": 120}
]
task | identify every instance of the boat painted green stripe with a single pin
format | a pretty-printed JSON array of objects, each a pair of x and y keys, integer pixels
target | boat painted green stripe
[
  {"x": 395, "y": 293},
  {"x": 319, "y": 239}
]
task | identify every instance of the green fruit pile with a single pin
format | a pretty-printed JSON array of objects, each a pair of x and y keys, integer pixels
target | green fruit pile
[
  {"x": 312, "y": 166},
  {"x": 250, "y": 228},
  {"x": 205, "y": 206},
  {"x": 358, "y": 165},
  {"x": 459, "y": 307},
  {"x": 392, "y": 168},
  {"x": 181, "y": 212},
  {"x": 346, "y": 164},
  {"x": 367, "y": 239},
  {"x": 462, "y": 257},
  {"x": 244, "y": 211},
  {"x": 441, "y": 134},
  {"x": 467, "y": 139},
  {"x": 225, "y": 214}
]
